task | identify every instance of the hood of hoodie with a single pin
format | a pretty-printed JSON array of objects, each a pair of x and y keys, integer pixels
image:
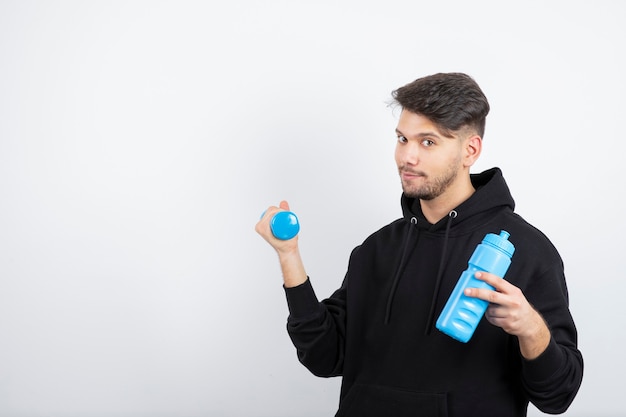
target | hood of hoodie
[{"x": 492, "y": 195}]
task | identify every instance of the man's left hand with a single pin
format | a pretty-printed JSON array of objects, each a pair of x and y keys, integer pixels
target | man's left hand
[{"x": 510, "y": 310}]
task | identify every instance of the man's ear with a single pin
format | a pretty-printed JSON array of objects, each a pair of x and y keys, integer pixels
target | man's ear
[{"x": 473, "y": 147}]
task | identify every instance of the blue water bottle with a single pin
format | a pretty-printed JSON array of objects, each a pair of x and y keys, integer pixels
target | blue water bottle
[
  {"x": 284, "y": 225},
  {"x": 461, "y": 314}
]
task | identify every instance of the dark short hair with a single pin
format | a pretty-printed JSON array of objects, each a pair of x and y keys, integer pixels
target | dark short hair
[{"x": 451, "y": 101}]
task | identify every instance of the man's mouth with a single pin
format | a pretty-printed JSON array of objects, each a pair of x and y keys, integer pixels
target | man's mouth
[{"x": 409, "y": 175}]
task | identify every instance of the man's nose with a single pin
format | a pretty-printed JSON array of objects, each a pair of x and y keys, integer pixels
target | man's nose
[{"x": 409, "y": 154}]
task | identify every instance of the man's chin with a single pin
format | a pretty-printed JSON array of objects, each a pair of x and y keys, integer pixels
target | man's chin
[{"x": 417, "y": 194}]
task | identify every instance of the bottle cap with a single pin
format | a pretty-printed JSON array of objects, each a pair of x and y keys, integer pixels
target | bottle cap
[{"x": 500, "y": 242}]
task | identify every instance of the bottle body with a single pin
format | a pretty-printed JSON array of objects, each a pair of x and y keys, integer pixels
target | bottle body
[{"x": 461, "y": 314}]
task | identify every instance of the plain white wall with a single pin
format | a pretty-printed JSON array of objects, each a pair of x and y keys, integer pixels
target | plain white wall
[{"x": 141, "y": 140}]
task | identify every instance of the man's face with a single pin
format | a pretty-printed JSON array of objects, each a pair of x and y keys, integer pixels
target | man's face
[{"x": 428, "y": 161}]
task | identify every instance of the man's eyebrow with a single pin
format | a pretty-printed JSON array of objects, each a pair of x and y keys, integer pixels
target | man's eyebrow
[{"x": 421, "y": 134}]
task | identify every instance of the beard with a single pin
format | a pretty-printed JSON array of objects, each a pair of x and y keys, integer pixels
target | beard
[{"x": 431, "y": 187}]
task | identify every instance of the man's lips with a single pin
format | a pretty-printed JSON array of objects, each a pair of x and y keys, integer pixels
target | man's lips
[{"x": 409, "y": 175}]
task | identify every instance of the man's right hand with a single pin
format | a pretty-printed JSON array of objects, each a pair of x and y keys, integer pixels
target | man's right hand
[{"x": 288, "y": 252}]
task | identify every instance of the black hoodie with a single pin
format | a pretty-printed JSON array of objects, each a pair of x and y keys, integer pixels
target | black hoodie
[{"x": 377, "y": 330}]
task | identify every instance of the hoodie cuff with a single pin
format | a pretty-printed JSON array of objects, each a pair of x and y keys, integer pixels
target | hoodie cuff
[
  {"x": 545, "y": 365},
  {"x": 301, "y": 300}
]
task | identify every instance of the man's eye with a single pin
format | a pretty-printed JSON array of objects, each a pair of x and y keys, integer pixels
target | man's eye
[
  {"x": 401, "y": 139},
  {"x": 427, "y": 142}
]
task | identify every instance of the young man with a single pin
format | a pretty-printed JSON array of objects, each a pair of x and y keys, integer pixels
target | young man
[{"x": 377, "y": 330}]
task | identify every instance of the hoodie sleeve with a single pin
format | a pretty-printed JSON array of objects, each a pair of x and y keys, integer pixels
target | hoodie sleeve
[
  {"x": 317, "y": 329},
  {"x": 553, "y": 379}
]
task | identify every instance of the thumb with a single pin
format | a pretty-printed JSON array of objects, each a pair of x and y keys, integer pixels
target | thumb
[{"x": 284, "y": 205}]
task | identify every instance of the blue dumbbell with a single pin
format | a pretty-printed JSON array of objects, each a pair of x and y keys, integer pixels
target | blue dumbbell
[{"x": 284, "y": 225}]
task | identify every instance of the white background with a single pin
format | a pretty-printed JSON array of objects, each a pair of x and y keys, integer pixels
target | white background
[{"x": 141, "y": 140}]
